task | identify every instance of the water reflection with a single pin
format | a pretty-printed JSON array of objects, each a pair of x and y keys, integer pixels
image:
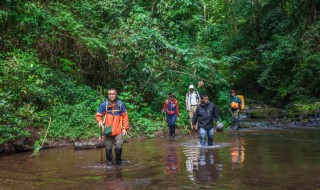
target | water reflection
[
  {"x": 237, "y": 151},
  {"x": 171, "y": 161},
  {"x": 113, "y": 179},
  {"x": 201, "y": 166}
]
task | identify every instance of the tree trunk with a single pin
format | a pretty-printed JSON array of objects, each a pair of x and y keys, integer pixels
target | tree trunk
[{"x": 312, "y": 11}]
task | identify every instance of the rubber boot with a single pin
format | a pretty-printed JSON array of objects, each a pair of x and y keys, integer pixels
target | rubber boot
[
  {"x": 118, "y": 156},
  {"x": 236, "y": 126},
  {"x": 109, "y": 157}
]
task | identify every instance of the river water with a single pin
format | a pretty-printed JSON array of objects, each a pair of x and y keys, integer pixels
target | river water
[{"x": 258, "y": 159}]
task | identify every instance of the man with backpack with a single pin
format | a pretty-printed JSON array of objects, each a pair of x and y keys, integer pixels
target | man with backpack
[
  {"x": 114, "y": 125},
  {"x": 192, "y": 101},
  {"x": 206, "y": 113},
  {"x": 235, "y": 105},
  {"x": 171, "y": 107}
]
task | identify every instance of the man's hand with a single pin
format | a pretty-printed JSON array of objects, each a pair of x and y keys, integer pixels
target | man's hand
[
  {"x": 124, "y": 132},
  {"x": 188, "y": 109}
]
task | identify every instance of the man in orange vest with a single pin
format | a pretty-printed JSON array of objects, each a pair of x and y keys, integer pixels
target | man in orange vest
[
  {"x": 115, "y": 116},
  {"x": 235, "y": 105}
]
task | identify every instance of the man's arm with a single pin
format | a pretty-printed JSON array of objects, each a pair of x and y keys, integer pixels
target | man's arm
[
  {"x": 125, "y": 118},
  {"x": 165, "y": 107},
  {"x": 100, "y": 113},
  {"x": 198, "y": 97},
  {"x": 177, "y": 109}
]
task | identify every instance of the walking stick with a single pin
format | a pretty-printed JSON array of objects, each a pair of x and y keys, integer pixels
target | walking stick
[
  {"x": 101, "y": 144},
  {"x": 164, "y": 128}
]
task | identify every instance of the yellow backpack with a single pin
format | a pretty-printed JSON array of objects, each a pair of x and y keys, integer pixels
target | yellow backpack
[
  {"x": 242, "y": 101},
  {"x": 235, "y": 105}
]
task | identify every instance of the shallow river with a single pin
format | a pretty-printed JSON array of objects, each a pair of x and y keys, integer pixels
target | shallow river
[{"x": 258, "y": 159}]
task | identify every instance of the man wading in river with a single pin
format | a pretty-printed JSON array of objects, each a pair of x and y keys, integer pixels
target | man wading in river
[
  {"x": 192, "y": 101},
  {"x": 205, "y": 114},
  {"x": 171, "y": 108},
  {"x": 235, "y": 106},
  {"x": 115, "y": 116}
]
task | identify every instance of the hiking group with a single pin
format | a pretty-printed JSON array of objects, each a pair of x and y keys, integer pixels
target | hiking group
[{"x": 113, "y": 119}]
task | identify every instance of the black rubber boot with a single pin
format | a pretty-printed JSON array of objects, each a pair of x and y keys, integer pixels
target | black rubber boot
[
  {"x": 118, "y": 156},
  {"x": 109, "y": 157}
]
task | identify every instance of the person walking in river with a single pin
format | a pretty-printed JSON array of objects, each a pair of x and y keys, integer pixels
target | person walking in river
[
  {"x": 206, "y": 113},
  {"x": 235, "y": 106},
  {"x": 115, "y": 116},
  {"x": 171, "y": 108},
  {"x": 192, "y": 101}
]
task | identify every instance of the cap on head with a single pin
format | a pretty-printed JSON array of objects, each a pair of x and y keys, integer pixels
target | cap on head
[
  {"x": 233, "y": 91},
  {"x": 191, "y": 86},
  {"x": 171, "y": 94}
]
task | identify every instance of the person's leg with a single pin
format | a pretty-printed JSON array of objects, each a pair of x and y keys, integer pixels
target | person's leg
[
  {"x": 190, "y": 117},
  {"x": 210, "y": 136},
  {"x": 170, "y": 123},
  {"x": 108, "y": 144},
  {"x": 235, "y": 117},
  {"x": 173, "y": 127},
  {"x": 194, "y": 108},
  {"x": 118, "y": 144},
  {"x": 203, "y": 134}
]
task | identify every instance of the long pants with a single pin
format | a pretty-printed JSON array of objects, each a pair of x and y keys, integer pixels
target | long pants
[
  {"x": 171, "y": 119},
  {"x": 235, "y": 118},
  {"x": 191, "y": 113},
  {"x": 206, "y": 133},
  {"x": 115, "y": 140}
]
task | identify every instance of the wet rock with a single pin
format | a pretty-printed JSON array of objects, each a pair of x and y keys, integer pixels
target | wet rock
[
  {"x": 87, "y": 145},
  {"x": 55, "y": 144},
  {"x": 22, "y": 148},
  {"x": 7, "y": 147}
]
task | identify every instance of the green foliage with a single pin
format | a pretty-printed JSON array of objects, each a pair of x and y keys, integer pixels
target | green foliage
[
  {"x": 31, "y": 93},
  {"x": 54, "y": 53}
]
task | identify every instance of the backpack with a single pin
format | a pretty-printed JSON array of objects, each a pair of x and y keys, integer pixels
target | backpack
[
  {"x": 107, "y": 103},
  {"x": 235, "y": 104},
  {"x": 197, "y": 95},
  {"x": 171, "y": 110}
]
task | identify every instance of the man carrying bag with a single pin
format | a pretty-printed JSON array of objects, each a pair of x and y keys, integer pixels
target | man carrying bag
[{"x": 114, "y": 126}]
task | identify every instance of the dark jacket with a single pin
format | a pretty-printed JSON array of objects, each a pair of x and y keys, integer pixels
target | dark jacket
[{"x": 204, "y": 115}]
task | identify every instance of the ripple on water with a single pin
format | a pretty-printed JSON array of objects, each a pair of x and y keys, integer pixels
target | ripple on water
[
  {"x": 196, "y": 144},
  {"x": 105, "y": 166}
]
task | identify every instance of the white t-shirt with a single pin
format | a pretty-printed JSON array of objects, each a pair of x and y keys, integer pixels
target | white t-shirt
[{"x": 193, "y": 98}]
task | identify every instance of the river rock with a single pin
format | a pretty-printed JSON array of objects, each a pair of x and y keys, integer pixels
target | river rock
[
  {"x": 22, "y": 148},
  {"x": 87, "y": 145}
]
